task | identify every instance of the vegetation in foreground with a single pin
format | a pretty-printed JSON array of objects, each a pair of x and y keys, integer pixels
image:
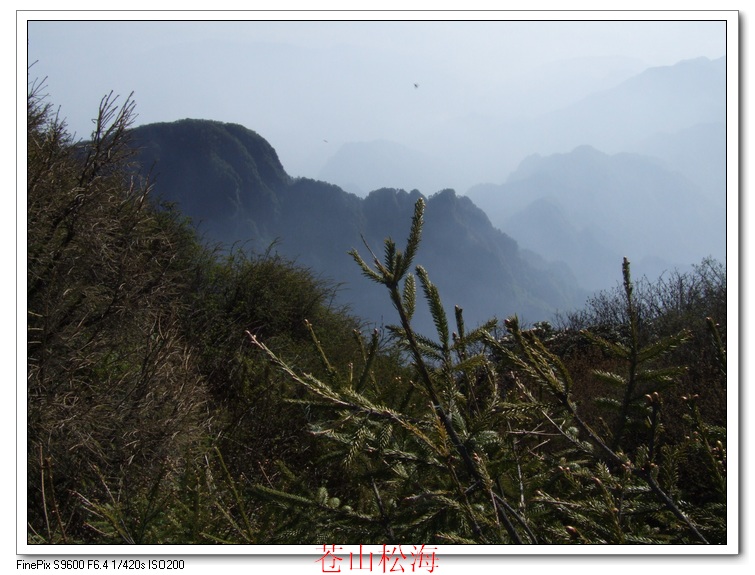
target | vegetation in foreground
[{"x": 180, "y": 394}]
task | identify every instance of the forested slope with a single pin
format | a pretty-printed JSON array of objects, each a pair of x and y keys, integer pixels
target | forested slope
[{"x": 177, "y": 394}]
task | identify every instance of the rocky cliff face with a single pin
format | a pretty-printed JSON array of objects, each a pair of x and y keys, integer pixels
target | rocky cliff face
[{"x": 229, "y": 181}]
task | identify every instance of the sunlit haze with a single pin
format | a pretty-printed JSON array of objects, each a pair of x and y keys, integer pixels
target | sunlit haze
[{"x": 435, "y": 87}]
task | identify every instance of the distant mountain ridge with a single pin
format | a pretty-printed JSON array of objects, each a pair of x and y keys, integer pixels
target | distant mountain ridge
[
  {"x": 226, "y": 178},
  {"x": 675, "y": 112},
  {"x": 589, "y": 209},
  {"x": 229, "y": 180},
  {"x": 664, "y": 99}
]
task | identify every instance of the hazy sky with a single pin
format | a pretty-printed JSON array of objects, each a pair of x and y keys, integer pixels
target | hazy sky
[{"x": 300, "y": 83}]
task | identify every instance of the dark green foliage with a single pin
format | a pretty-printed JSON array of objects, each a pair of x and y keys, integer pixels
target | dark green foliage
[
  {"x": 277, "y": 301},
  {"x": 493, "y": 447},
  {"x": 178, "y": 394},
  {"x": 115, "y": 403},
  {"x": 145, "y": 402},
  {"x": 693, "y": 303}
]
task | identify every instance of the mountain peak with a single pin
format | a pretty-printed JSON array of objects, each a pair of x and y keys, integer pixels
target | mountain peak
[{"x": 228, "y": 178}]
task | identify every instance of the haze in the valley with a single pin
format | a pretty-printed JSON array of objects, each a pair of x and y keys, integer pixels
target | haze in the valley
[{"x": 566, "y": 133}]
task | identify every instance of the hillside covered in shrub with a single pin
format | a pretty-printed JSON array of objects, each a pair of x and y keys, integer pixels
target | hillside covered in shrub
[{"x": 177, "y": 393}]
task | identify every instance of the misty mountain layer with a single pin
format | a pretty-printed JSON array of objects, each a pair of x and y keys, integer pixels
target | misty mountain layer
[
  {"x": 589, "y": 209},
  {"x": 674, "y": 113},
  {"x": 637, "y": 170},
  {"x": 229, "y": 181}
]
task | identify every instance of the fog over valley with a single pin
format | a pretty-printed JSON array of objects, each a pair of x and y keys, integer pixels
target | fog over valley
[{"x": 548, "y": 149}]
